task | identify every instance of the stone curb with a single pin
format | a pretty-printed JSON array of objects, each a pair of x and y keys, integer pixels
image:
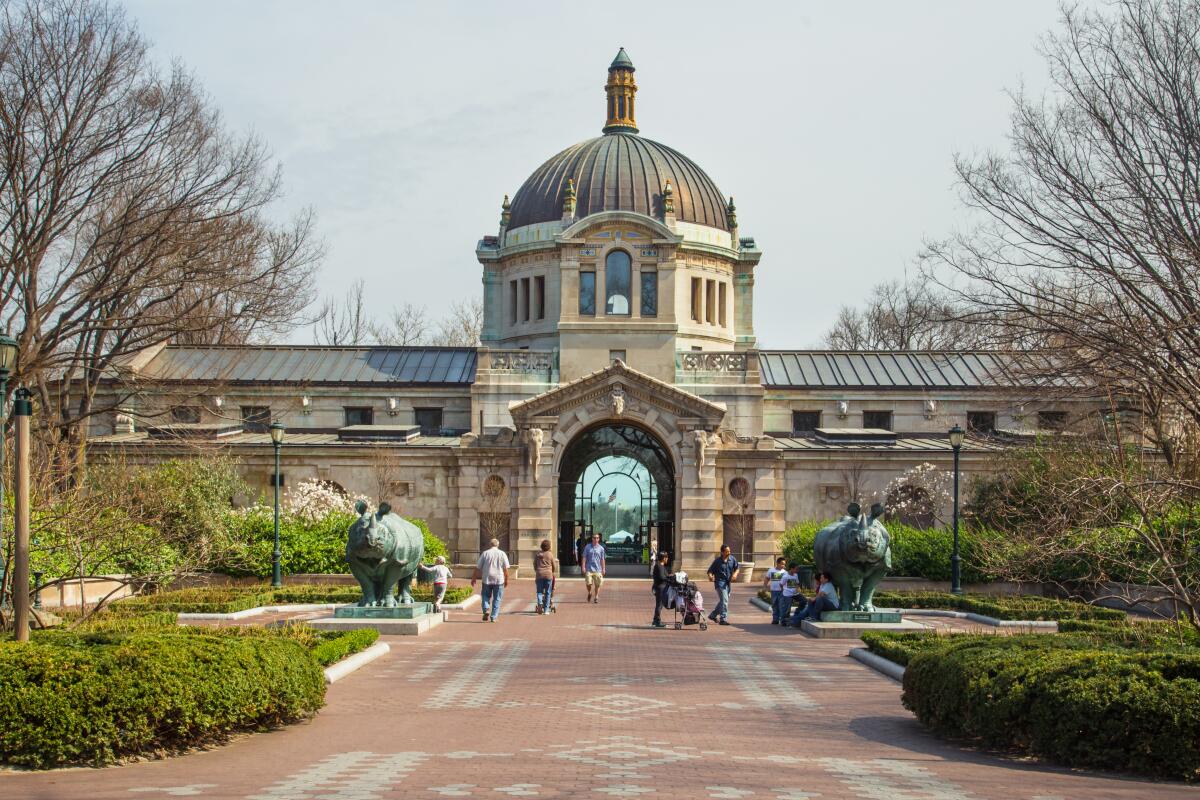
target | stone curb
[
  {"x": 465, "y": 604},
  {"x": 760, "y": 604},
  {"x": 1037, "y": 624},
  {"x": 878, "y": 663},
  {"x": 184, "y": 616},
  {"x": 335, "y": 672}
]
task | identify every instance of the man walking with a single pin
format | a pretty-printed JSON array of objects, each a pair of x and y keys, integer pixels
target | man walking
[
  {"x": 492, "y": 569},
  {"x": 722, "y": 573},
  {"x": 659, "y": 587},
  {"x": 595, "y": 562}
]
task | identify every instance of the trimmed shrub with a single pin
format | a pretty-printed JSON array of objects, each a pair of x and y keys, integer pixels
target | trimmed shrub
[
  {"x": 1005, "y": 606},
  {"x": 340, "y": 645},
  {"x": 1060, "y": 698},
  {"x": 96, "y": 698}
]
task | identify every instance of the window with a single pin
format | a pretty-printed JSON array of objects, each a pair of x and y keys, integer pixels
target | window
[
  {"x": 360, "y": 416},
  {"x": 649, "y": 293},
  {"x": 721, "y": 304},
  {"x": 710, "y": 302},
  {"x": 981, "y": 421},
  {"x": 881, "y": 420},
  {"x": 1052, "y": 420},
  {"x": 525, "y": 299},
  {"x": 805, "y": 421},
  {"x": 186, "y": 414},
  {"x": 615, "y": 356},
  {"x": 430, "y": 419},
  {"x": 587, "y": 293},
  {"x": 617, "y": 268},
  {"x": 256, "y": 419},
  {"x": 697, "y": 299},
  {"x": 512, "y": 302},
  {"x": 539, "y": 295}
]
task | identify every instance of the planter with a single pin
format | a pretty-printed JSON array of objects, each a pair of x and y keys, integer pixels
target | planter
[{"x": 745, "y": 571}]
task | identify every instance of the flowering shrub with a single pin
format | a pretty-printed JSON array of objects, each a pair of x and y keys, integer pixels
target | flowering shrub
[
  {"x": 313, "y": 499},
  {"x": 919, "y": 496}
]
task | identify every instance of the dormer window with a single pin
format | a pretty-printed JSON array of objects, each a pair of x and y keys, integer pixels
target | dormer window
[{"x": 617, "y": 277}]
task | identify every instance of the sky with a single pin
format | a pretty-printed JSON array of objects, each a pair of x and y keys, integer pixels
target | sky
[{"x": 403, "y": 124}]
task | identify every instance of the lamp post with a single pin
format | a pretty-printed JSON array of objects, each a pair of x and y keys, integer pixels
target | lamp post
[
  {"x": 277, "y": 441},
  {"x": 22, "y": 409},
  {"x": 8, "y": 361},
  {"x": 956, "y": 441}
]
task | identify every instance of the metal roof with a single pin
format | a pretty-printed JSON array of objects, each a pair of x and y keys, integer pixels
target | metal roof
[
  {"x": 904, "y": 369},
  {"x": 902, "y": 443},
  {"x": 296, "y": 437},
  {"x": 314, "y": 364}
]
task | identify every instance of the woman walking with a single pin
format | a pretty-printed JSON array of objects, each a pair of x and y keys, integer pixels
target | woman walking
[
  {"x": 545, "y": 567},
  {"x": 659, "y": 587}
]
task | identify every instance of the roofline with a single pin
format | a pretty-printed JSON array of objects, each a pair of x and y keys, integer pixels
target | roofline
[{"x": 328, "y": 347}]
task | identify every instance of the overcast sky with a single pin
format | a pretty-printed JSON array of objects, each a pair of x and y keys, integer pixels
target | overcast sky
[{"x": 403, "y": 124}]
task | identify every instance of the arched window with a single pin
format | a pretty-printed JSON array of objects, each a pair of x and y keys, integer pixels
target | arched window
[{"x": 617, "y": 269}]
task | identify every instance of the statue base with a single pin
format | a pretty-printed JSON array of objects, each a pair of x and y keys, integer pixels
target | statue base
[
  {"x": 853, "y": 630},
  {"x": 869, "y": 617},
  {"x": 408, "y": 619},
  {"x": 402, "y": 611}
]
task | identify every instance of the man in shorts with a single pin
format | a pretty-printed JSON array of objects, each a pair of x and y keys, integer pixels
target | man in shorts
[{"x": 594, "y": 565}]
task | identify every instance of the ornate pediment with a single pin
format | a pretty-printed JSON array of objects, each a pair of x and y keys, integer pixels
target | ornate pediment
[{"x": 619, "y": 391}]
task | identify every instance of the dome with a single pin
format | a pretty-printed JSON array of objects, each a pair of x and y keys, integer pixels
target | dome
[{"x": 619, "y": 172}]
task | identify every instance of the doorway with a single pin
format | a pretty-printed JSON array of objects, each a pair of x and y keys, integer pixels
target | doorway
[{"x": 618, "y": 481}]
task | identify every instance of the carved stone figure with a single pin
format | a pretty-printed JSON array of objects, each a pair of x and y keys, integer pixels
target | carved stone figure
[
  {"x": 618, "y": 402},
  {"x": 703, "y": 441},
  {"x": 535, "y": 438},
  {"x": 383, "y": 551},
  {"x": 857, "y": 551}
]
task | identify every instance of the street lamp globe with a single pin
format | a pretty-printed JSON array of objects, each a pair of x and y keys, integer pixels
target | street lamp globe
[
  {"x": 957, "y": 434},
  {"x": 277, "y": 430},
  {"x": 8, "y": 354}
]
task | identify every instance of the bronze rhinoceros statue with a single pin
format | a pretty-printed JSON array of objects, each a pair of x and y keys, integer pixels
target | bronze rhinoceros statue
[
  {"x": 857, "y": 551},
  {"x": 384, "y": 552}
]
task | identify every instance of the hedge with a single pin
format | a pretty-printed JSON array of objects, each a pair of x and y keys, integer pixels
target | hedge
[
  {"x": 1058, "y": 698},
  {"x": 95, "y": 698},
  {"x": 229, "y": 599},
  {"x": 1000, "y": 606},
  {"x": 336, "y": 647}
]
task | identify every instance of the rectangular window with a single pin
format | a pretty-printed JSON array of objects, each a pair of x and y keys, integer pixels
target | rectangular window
[
  {"x": 697, "y": 299},
  {"x": 878, "y": 420},
  {"x": 616, "y": 355},
  {"x": 649, "y": 293},
  {"x": 359, "y": 416},
  {"x": 587, "y": 293},
  {"x": 721, "y": 298},
  {"x": 256, "y": 419},
  {"x": 1052, "y": 420},
  {"x": 512, "y": 302},
  {"x": 805, "y": 421},
  {"x": 430, "y": 419},
  {"x": 186, "y": 414},
  {"x": 981, "y": 421},
  {"x": 710, "y": 302},
  {"x": 539, "y": 295},
  {"x": 525, "y": 299}
]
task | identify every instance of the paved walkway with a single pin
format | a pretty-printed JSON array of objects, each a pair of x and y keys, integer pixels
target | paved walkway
[{"x": 591, "y": 703}]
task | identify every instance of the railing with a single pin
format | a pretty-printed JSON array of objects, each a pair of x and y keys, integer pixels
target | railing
[
  {"x": 530, "y": 361},
  {"x": 693, "y": 361}
]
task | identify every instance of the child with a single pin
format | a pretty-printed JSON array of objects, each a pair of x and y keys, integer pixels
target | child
[
  {"x": 773, "y": 582},
  {"x": 441, "y": 576},
  {"x": 789, "y": 587}
]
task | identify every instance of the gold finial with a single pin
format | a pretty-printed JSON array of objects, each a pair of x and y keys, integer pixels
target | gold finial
[
  {"x": 668, "y": 198},
  {"x": 620, "y": 89},
  {"x": 569, "y": 198},
  {"x": 731, "y": 214},
  {"x": 505, "y": 212}
]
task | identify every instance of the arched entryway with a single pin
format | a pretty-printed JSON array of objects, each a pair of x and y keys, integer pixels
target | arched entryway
[{"x": 617, "y": 480}]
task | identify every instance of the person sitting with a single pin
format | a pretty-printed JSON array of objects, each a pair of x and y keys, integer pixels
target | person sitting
[{"x": 826, "y": 599}]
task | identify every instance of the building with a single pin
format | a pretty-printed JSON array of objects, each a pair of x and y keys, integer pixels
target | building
[{"x": 618, "y": 386}]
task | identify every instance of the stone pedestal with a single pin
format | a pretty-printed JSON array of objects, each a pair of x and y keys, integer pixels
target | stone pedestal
[
  {"x": 410, "y": 619},
  {"x": 871, "y": 617},
  {"x": 854, "y": 630}
]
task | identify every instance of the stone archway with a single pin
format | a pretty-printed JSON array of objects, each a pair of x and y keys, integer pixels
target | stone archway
[{"x": 616, "y": 479}]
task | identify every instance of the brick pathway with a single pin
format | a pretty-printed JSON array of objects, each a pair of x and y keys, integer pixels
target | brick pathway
[{"x": 591, "y": 703}]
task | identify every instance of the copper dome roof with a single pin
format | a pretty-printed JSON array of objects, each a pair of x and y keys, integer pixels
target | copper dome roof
[{"x": 619, "y": 172}]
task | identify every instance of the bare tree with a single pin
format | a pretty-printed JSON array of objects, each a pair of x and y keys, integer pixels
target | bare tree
[
  {"x": 1089, "y": 236},
  {"x": 408, "y": 326},
  {"x": 128, "y": 216},
  {"x": 462, "y": 326},
  {"x": 901, "y": 315},
  {"x": 344, "y": 322}
]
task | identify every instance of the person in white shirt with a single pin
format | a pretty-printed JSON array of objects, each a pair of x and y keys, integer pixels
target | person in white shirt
[
  {"x": 773, "y": 581},
  {"x": 789, "y": 588},
  {"x": 826, "y": 600},
  {"x": 492, "y": 569},
  {"x": 441, "y": 578}
]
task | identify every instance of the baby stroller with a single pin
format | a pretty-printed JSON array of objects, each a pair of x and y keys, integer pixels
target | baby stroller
[{"x": 684, "y": 596}]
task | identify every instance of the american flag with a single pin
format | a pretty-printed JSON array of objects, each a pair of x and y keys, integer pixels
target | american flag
[{"x": 613, "y": 496}]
